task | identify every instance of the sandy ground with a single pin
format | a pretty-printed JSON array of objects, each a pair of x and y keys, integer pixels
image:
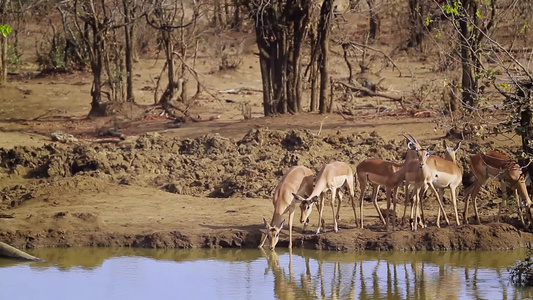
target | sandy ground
[{"x": 209, "y": 184}]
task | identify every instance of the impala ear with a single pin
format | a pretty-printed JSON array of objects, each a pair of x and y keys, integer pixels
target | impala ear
[
  {"x": 411, "y": 146},
  {"x": 458, "y": 146},
  {"x": 297, "y": 198},
  {"x": 266, "y": 224},
  {"x": 314, "y": 199},
  {"x": 444, "y": 144},
  {"x": 432, "y": 147},
  {"x": 282, "y": 224}
]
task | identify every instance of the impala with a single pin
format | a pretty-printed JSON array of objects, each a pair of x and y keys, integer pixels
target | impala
[
  {"x": 420, "y": 175},
  {"x": 331, "y": 177},
  {"x": 297, "y": 181},
  {"x": 447, "y": 174},
  {"x": 382, "y": 173},
  {"x": 494, "y": 164}
]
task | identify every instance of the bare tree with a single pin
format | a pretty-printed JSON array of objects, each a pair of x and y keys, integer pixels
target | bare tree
[
  {"x": 177, "y": 26},
  {"x": 280, "y": 27}
]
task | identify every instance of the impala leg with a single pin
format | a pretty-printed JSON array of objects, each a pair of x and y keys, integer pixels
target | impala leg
[
  {"x": 333, "y": 194},
  {"x": 454, "y": 200},
  {"x": 414, "y": 209},
  {"x": 353, "y": 207},
  {"x": 503, "y": 203},
  {"x": 420, "y": 211},
  {"x": 362, "y": 187},
  {"x": 375, "y": 189},
  {"x": 291, "y": 219},
  {"x": 441, "y": 196},
  {"x": 263, "y": 240},
  {"x": 389, "y": 196},
  {"x": 520, "y": 211},
  {"x": 320, "y": 219},
  {"x": 407, "y": 202},
  {"x": 351, "y": 191},
  {"x": 474, "y": 201},
  {"x": 339, "y": 195},
  {"x": 394, "y": 198},
  {"x": 440, "y": 203}
]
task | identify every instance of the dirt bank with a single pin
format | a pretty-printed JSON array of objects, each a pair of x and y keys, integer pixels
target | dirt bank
[{"x": 163, "y": 192}]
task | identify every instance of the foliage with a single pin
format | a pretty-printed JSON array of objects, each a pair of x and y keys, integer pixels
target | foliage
[
  {"x": 521, "y": 273},
  {"x": 5, "y": 30},
  {"x": 14, "y": 55}
]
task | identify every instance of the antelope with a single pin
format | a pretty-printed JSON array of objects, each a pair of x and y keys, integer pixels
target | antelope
[
  {"x": 494, "y": 164},
  {"x": 382, "y": 173},
  {"x": 331, "y": 177},
  {"x": 448, "y": 174},
  {"x": 421, "y": 174},
  {"x": 297, "y": 181}
]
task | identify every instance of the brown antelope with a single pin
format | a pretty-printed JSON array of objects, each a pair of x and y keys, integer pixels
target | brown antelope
[
  {"x": 382, "y": 173},
  {"x": 297, "y": 180},
  {"x": 420, "y": 174},
  {"x": 494, "y": 164},
  {"x": 448, "y": 174},
  {"x": 331, "y": 177}
]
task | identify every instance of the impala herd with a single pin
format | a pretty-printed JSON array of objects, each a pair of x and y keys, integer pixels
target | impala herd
[{"x": 419, "y": 171}]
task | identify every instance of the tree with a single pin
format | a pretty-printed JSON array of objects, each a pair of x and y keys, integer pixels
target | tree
[
  {"x": 280, "y": 27},
  {"x": 5, "y": 30},
  {"x": 473, "y": 21},
  {"x": 172, "y": 21}
]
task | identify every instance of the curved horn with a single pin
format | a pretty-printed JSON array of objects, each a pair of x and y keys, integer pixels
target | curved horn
[
  {"x": 408, "y": 138},
  {"x": 415, "y": 140}
]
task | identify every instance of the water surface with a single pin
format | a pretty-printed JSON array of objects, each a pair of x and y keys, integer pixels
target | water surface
[{"x": 107, "y": 273}]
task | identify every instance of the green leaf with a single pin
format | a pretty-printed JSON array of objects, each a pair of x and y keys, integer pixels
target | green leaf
[
  {"x": 478, "y": 14},
  {"x": 5, "y": 30}
]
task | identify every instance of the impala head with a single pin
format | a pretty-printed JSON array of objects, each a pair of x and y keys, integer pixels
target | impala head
[
  {"x": 273, "y": 233},
  {"x": 450, "y": 151},
  {"x": 422, "y": 153},
  {"x": 306, "y": 207}
]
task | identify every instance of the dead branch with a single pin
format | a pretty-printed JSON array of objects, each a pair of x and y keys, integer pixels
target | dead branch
[
  {"x": 352, "y": 119},
  {"x": 363, "y": 89},
  {"x": 194, "y": 73},
  {"x": 377, "y": 50},
  {"x": 12, "y": 252}
]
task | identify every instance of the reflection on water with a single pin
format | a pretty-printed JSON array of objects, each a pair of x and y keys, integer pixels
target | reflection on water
[{"x": 94, "y": 273}]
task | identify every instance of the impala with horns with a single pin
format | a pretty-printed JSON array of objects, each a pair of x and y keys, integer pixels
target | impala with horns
[
  {"x": 494, "y": 164},
  {"x": 297, "y": 181},
  {"x": 332, "y": 177},
  {"x": 383, "y": 173},
  {"x": 420, "y": 175},
  {"x": 448, "y": 174}
]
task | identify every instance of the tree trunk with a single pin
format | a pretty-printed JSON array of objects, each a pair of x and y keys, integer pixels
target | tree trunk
[
  {"x": 3, "y": 59},
  {"x": 525, "y": 91},
  {"x": 375, "y": 23},
  {"x": 169, "y": 48},
  {"x": 323, "y": 35},
  {"x": 467, "y": 81},
  {"x": 264, "y": 63},
  {"x": 416, "y": 32},
  {"x": 128, "y": 33},
  {"x": 237, "y": 22},
  {"x": 97, "y": 109}
]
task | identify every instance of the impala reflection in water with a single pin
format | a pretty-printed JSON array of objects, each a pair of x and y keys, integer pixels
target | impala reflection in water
[{"x": 92, "y": 273}]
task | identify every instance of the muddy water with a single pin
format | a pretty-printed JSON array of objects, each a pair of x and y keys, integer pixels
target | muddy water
[{"x": 94, "y": 273}]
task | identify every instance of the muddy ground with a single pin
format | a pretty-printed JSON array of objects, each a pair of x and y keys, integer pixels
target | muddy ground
[
  {"x": 160, "y": 191},
  {"x": 209, "y": 183}
]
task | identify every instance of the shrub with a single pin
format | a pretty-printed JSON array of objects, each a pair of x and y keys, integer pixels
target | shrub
[{"x": 522, "y": 272}]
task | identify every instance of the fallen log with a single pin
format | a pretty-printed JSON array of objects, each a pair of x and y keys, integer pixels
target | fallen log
[
  {"x": 368, "y": 92},
  {"x": 12, "y": 252}
]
